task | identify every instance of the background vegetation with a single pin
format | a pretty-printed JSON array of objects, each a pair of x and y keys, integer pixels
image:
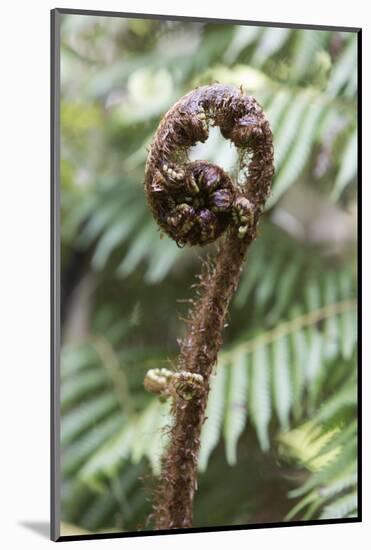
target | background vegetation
[{"x": 280, "y": 439}]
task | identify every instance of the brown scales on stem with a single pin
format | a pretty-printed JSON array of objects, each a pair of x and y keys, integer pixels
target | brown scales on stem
[{"x": 195, "y": 203}]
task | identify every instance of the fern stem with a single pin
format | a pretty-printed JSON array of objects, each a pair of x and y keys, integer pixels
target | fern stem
[{"x": 199, "y": 350}]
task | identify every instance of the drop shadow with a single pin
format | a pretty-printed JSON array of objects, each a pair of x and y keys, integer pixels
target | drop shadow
[{"x": 42, "y": 528}]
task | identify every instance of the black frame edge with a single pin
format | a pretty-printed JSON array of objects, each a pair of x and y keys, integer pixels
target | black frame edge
[
  {"x": 359, "y": 268},
  {"x": 54, "y": 276},
  {"x": 226, "y": 528},
  {"x": 103, "y": 13}
]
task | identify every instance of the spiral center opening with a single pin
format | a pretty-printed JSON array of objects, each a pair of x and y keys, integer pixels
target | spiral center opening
[{"x": 216, "y": 149}]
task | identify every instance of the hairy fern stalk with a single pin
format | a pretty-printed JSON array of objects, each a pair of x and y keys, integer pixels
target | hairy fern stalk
[{"x": 196, "y": 202}]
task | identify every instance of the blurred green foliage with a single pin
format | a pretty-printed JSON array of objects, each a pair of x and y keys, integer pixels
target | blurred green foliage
[{"x": 280, "y": 439}]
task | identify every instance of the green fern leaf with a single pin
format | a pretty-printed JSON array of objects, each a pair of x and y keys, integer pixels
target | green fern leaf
[
  {"x": 309, "y": 43},
  {"x": 259, "y": 396},
  {"x": 101, "y": 509},
  {"x": 298, "y": 154},
  {"x": 341, "y": 507},
  {"x": 348, "y": 321},
  {"x": 348, "y": 167},
  {"x": 346, "y": 397},
  {"x": 214, "y": 416},
  {"x": 163, "y": 256},
  {"x": 86, "y": 415},
  {"x": 287, "y": 132},
  {"x": 235, "y": 408},
  {"x": 314, "y": 360},
  {"x": 330, "y": 472},
  {"x": 74, "y": 456},
  {"x": 277, "y": 108},
  {"x": 251, "y": 275},
  {"x": 282, "y": 393},
  {"x": 271, "y": 41},
  {"x": 243, "y": 36},
  {"x": 75, "y": 358},
  {"x": 139, "y": 249},
  {"x": 297, "y": 367},
  {"x": 116, "y": 235},
  {"x": 76, "y": 388},
  {"x": 286, "y": 282},
  {"x": 343, "y": 68},
  {"x": 106, "y": 462}
]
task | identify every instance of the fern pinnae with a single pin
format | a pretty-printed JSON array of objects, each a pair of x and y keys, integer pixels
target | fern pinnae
[
  {"x": 147, "y": 424},
  {"x": 235, "y": 415},
  {"x": 116, "y": 235},
  {"x": 259, "y": 396},
  {"x": 344, "y": 67},
  {"x": 95, "y": 225},
  {"x": 75, "y": 455},
  {"x": 266, "y": 286},
  {"x": 214, "y": 416},
  {"x": 162, "y": 258},
  {"x": 342, "y": 483},
  {"x": 313, "y": 365},
  {"x": 242, "y": 38},
  {"x": 305, "y": 501},
  {"x": 348, "y": 322},
  {"x": 348, "y": 319},
  {"x": 341, "y": 438},
  {"x": 348, "y": 166},
  {"x": 299, "y": 348},
  {"x": 329, "y": 472},
  {"x": 341, "y": 507},
  {"x": 271, "y": 41},
  {"x": 286, "y": 134},
  {"x": 345, "y": 397},
  {"x": 106, "y": 462},
  {"x": 76, "y": 388},
  {"x": 298, "y": 154},
  {"x": 100, "y": 509},
  {"x": 76, "y": 359},
  {"x": 282, "y": 392},
  {"x": 352, "y": 86},
  {"x": 331, "y": 329},
  {"x": 86, "y": 415},
  {"x": 313, "y": 508},
  {"x": 308, "y": 44},
  {"x": 159, "y": 440},
  {"x": 250, "y": 277},
  {"x": 287, "y": 284},
  {"x": 145, "y": 239},
  {"x": 277, "y": 108}
]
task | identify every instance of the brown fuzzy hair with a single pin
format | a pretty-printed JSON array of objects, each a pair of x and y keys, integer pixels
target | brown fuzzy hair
[{"x": 195, "y": 203}]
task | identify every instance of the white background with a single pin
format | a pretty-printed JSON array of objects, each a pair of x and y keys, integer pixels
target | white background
[{"x": 24, "y": 253}]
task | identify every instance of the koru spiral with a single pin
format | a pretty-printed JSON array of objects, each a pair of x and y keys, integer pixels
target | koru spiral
[{"x": 195, "y": 202}]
